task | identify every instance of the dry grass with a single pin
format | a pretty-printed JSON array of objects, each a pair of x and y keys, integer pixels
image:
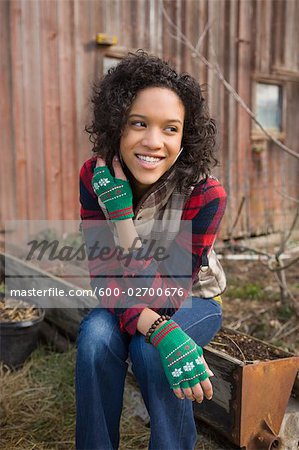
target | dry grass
[
  {"x": 37, "y": 402},
  {"x": 37, "y": 407}
]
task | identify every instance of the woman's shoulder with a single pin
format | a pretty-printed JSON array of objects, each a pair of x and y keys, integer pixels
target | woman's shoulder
[
  {"x": 210, "y": 184},
  {"x": 86, "y": 174},
  {"x": 205, "y": 191},
  {"x": 86, "y": 171}
]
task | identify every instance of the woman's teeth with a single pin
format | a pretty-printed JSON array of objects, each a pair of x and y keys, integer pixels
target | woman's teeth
[{"x": 149, "y": 159}]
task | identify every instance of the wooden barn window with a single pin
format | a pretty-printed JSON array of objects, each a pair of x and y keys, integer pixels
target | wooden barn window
[
  {"x": 269, "y": 106},
  {"x": 109, "y": 62},
  {"x": 110, "y": 57}
]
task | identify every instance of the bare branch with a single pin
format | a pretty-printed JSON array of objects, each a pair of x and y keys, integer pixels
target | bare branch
[
  {"x": 285, "y": 287},
  {"x": 286, "y": 266},
  {"x": 216, "y": 69},
  {"x": 283, "y": 194},
  {"x": 237, "y": 217},
  {"x": 289, "y": 332},
  {"x": 202, "y": 36},
  {"x": 287, "y": 237},
  {"x": 242, "y": 249}
]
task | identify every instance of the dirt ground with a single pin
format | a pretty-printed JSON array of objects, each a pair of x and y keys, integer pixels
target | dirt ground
[{"x": 251, "y": 303}]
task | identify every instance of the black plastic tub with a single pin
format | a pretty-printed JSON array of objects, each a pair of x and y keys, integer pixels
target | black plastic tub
[{"x": 19, "y": 339}]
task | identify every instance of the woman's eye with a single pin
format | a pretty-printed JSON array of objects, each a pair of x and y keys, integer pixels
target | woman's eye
[
  {"x": 138, "y": 123},
  {"x": 172, "y": 129}
]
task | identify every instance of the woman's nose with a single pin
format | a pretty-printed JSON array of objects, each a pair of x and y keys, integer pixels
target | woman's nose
[{"x": 152, "y": 139}]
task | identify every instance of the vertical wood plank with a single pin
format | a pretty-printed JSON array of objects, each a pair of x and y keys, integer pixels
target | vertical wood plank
[
  {"x": 67, "y": 112},
  {"x": 158, "y": 29},
  {"x": 278, "y": 35},
  {"x": 33, "y": 107},
  {"x": 212, "y": 80},
  {"x": 7, "y": 172},
  {"x": 146, "y": 24},
  {"x": 185, "y": 28},
  {"x": 18, "y": 126},
  {"x": 142, "y": 31},
  {"x": 169, "y": 44},
  {"x": 135, "y": 17},
  {"x": 229, "y": 161},
  {"x": 179, "y": 47},
  {"x": 193, "y": 33},
  {"x": 203, "y": 21},
  {"x": 126, "y": 31},
  {"x": 97, "y": 26},
  {"x": 52, "y": 136},
  {"x": 264, "y": 21},
  {"x": 291, "y": 30},
  {"x": 256, "y": 6},
  {"x": 83, "y": 76},
  {"x": 244, "y": 121}
]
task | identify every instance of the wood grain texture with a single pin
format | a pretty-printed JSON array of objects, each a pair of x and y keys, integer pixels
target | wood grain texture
[
  {"x": 33, "y": 110},
  {"x": 18, "y": 119},
  {"x": 7, "y": 169},
  {"x": 67, "y": 111},
  {"x": 50, "y": 61}
]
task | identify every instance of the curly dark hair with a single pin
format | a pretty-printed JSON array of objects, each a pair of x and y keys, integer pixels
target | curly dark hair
[{"x": 115, "y": 93}]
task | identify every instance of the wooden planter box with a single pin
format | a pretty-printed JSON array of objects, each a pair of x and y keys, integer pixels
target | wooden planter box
[
  {"x": 250, "y": 398},
  {"x": 66, "y": 313}
]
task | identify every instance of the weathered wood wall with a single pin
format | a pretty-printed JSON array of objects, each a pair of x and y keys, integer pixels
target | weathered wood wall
[{"x": 49, "y": 60}]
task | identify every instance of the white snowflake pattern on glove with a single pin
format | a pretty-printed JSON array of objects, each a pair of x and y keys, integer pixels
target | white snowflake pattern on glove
[
  {"x": 188, "y": 366},
  {"x": 103, "y": 182},
  {"x": 199, "y": 360},
  {"x": 176, "y": 372}
]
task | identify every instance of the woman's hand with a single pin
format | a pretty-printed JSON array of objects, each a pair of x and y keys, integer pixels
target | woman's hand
[
  {"x": 114, "y": 192},
  {"x": 119, "y": 173},
  {"x": 183, "y": 362},
  {"x": 199, "y": 390}
]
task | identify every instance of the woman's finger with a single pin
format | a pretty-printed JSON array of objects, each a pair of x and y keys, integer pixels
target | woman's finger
[
  {"x": 178, "y": 392},
  {"x": 211, "y": 374},
  {"x": 118, "y": 171},
  {"x": 188, "y": 393},
  {"x": 197, "y": 393},
  {"x": 207, "y": 388},
  {"x": 100, "y": 162}
]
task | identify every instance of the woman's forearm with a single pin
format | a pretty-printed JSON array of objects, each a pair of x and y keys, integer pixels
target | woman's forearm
[
  {"x": 146, "y": 319},
  {"x": 127, "y": 234},
  {"x": 128, "y": 238}
]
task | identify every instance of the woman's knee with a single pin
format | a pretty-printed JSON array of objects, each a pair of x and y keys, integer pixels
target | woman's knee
[
  {"x": 99, "y": 334},
  {"x": 202, "y": 321}
]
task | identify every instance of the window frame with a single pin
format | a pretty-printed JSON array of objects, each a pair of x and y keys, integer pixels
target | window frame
[
  {"x": 256, "y": 133},
  {"x": 113, "y": 52}
]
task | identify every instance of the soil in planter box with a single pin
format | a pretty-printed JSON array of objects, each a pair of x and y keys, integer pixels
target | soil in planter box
[
  {"x": 245, "y": 348},
  {"x": 12, "y": 310}
]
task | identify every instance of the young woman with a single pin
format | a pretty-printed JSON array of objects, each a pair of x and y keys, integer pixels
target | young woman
[{"x": 154, "y": 147}]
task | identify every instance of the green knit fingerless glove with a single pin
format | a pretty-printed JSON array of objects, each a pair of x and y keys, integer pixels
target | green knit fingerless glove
[
  {"x": 181, "y": 357},
  {"x": 116, "y": 194}
]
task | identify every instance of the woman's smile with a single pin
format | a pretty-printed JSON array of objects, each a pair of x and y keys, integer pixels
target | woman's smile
[
  {"x": 148, "y": 161},
  {"x": 152, "y": 136}
]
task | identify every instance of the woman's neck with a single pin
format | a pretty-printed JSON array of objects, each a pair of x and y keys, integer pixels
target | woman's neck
[{"x": 138, "y": 193}]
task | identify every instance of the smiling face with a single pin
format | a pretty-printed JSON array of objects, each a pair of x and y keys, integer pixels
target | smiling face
[{"x": 151, "y": 139}]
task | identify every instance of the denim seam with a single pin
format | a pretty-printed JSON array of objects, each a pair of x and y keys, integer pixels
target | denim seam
[
  {"x": 108, "y": 345},
  {"x": 201, "y": 320}
]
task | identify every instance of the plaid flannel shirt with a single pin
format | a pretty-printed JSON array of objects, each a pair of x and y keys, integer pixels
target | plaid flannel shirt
[{"x": 204, "y": 206}]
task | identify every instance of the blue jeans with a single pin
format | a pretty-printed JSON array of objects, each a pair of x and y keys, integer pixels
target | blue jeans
[{"x": 101, "y": 369}]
